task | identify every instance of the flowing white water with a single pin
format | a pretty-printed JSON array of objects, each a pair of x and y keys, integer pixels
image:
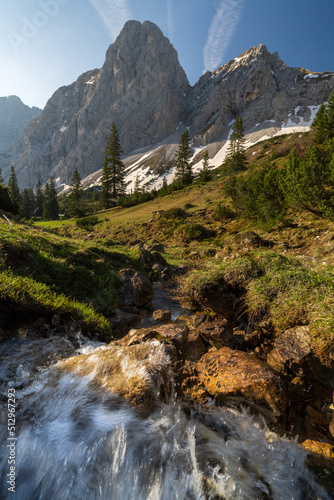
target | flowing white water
[{"x": 77, "y": 441}]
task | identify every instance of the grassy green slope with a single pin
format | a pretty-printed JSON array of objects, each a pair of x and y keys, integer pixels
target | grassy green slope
[{"x": 290, "y": 277}]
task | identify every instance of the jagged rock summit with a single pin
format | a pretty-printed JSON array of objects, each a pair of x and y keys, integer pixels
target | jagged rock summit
[
  {"x": 139, "y": 86},
  {"x": 14, "y": 117},
  {"x": 144, "y": 90}
]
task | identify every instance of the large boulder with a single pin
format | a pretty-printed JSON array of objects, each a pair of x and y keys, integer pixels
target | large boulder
[
  {"x": 239, "y": 378},
  {"x": 141, "y": 374},
  {"x": 135, "y": 289}
]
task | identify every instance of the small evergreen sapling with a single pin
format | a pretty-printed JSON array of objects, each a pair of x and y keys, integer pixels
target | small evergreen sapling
[
  {"x": 236, "y": 160},
  {"x": 205, "y": 174}
]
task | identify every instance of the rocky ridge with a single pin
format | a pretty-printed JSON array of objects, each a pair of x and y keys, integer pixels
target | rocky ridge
[
  {"x": 144, "y": 90},
  {"x": 14, "y": 117}
]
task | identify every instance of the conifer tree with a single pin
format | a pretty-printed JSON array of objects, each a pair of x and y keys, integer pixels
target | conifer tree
[
  {"x": 236, "y": 160},
  {"x": 14, "y": 186},
  {"x": 136, "y": 187},
  {"x": 50, "y": 205},
  {"x": 205, "y": 174},
  {"x": 28, "y": 204},
  {"x": 323, "y": 123},
  {"x": 184, "y": 172},
  {"x": 7, "y": 202},
  {"x": 46, "y": 202},
  {"x": 75, "y": 209},
  {"x": 112, "y": 180},
  {"x": 39, "y": 199}
]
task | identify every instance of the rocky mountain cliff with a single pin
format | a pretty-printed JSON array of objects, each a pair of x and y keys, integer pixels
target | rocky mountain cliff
[
  {"x": 14, "y": 117},
  {"x": 143, "y": 89}
]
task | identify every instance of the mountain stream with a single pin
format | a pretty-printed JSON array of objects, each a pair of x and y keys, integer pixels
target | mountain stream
[{"x": 75, "y": 440}]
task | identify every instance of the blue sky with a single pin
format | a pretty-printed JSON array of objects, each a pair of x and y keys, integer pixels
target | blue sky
[{"x": 45, "y": 44}]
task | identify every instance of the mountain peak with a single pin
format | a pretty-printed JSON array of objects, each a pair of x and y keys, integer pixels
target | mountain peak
[{"x": 143, "y": 89}]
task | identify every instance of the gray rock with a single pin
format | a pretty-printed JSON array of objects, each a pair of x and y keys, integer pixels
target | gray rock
[
  {"x": 291, "y": 349},
  {"x": 135, "y": 289},
  {"x": 123, "y": 320},
  {"x": 14, "y": 117},
  {"x": 162, "y": 316}
]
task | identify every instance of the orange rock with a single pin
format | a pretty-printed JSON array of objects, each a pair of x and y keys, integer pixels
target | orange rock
[
  {"x": 324, "y": 449},
  {"x": 227, "y": 374}
]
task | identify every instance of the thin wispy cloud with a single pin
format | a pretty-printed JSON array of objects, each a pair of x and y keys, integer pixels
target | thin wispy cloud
[
  {"x": 221, "y": 31},
  {"x": 114, "y": 14},
  {"x": 170, "y": 20}
]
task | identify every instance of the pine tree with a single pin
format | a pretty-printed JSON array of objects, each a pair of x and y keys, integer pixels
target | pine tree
[
  {"x": 205, "y": 174},
  {"x": 236, "y": 160},
  {"x": 46, "y": 203},
  {"x": 53, "y": 200},
  {"x": 1, "y": 179},
  {"x": 28, "y": 204},
  {"x": 112, "y": 180},
  {"x": 306, "y": 181},
  {"x": 14, "y": 187},
  {"x": 184, "y": 172},
  {"x": 323, "y": 123},
  {"x": 75, "y": 209},
  {"x": 50, "y": 205},
  {"x": 39, "y": 199},
  {"x": 136, "y": 187}
]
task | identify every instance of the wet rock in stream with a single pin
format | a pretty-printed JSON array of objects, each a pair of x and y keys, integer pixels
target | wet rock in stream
[
  {"x": 140, "y": 374},
  {"x": 239, "y": 378}
]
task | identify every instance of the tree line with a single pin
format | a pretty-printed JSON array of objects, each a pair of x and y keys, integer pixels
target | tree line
[
  {"x": 263, "y": 193},
  {"x": 27, "y": 203},
  {"x": 43, "y": 202},
  {"x": 113, "y": 174}
]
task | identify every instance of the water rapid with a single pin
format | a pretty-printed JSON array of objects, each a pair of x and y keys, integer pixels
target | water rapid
[{"x": 78, "y": 441}]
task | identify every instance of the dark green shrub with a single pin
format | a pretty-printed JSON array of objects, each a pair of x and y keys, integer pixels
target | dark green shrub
[
  {"x": 258, "y": 195},
  {"x": 174, "y": 213},
  {"x": 87, "y": 222},
  {"x": 223, "y": 212},
  {"x": 194, "y": 232}
]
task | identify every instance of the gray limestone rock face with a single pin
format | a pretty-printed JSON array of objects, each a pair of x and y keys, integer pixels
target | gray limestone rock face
[
  {"x": 257, "y": 86},
  {"x": 14, "y": 117}
]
